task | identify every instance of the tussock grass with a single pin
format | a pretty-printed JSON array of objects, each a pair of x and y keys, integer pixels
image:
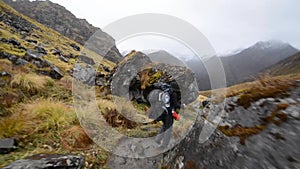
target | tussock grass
[
  {"x": 264, "y": 87},
  {"x": 43, "y": 117},
  {"x": 30, "y": 83}
]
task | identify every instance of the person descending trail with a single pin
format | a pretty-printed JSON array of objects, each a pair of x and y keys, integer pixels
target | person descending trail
[{"x": 164, "y": 107}]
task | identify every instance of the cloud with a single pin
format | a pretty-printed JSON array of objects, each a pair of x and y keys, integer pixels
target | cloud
[{"x": 228, "y": 24}]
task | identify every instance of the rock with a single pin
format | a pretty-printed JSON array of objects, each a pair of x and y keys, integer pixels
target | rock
[
  {"x": 270, "y": 99},
  {"x": 12, "y": 58},
  {"x": 45, "y": 161},
  {"x": 75, "y": 47},
  {"x": 290, "y": 101},
  {"x": 40, "y": 50},
  {"x": 86, "y": 75},
  {"x": 106, "y": 69},
  {"x": 56, "y": 52},
  {"x": 21, "y": 61},
  {"x": 31, "y": 41},
  {"x": 71, "y": 56},
  {"x": 32, "y": 55},
  {"x": 13, "y": 42},
  {"x": 62, "y": 58},
  {"x": 4, "y": 55},
  {"x": 5, "y": 74},
  {"x": 125, "y": 80},
  {"x": 55, "y": 73},
  {"x": 86, "y": 59},
  {"x": 4, "y": 80},
  {"x": 293, "y": 111},
  {"x": 38, "y": 64},
  {"x": 7, "y": 145}
]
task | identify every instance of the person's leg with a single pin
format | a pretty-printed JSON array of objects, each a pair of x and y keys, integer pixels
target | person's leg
[
  {"x": 162, "y": 129},
  {"x": 168, "y": 131}
]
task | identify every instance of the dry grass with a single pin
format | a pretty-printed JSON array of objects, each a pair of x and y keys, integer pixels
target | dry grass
[
  {"x": 75, "y": 138},
  {"x": 241, "y": 132},
  {"x": 30, "y": 83},
  {"x": 263, "y": 87},
  {"x": 40, "y": 117},
  {"x": 276, "y": 117}
]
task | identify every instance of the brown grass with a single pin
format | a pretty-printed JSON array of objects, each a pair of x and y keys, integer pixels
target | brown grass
[
  {"x": 30, "y": 83},
  {"x": 38, "y": 118},
  {"x": 276, "y": 117},
  {"x": 241, "y": 132},
  {"x": 75, "y": 138}
]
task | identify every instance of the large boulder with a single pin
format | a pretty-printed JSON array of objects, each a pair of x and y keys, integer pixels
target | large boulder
[{"x": 134, "y": 77}]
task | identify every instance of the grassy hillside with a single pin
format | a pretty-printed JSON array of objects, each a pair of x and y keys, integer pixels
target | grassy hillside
[
  {"x": 34, "y": 108},
  {"x": 286, "y": 66}
]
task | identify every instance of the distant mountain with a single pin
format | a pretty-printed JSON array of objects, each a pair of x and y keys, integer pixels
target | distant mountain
[
  {"x": 240, "y": 66},
  {"x": 60, "y": 19},
  {"x": 286, "y": 66},
  {"x": 162, "y": 56}
]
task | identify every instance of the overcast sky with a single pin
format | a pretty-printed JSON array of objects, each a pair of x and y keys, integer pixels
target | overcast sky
[{"x": 228, "y": 24}]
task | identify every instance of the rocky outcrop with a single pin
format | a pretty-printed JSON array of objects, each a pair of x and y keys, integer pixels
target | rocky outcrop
[
  {"x": 60, "y": 19},
  {"x": 274, "y": 146},
  {"x": 134, "y": 77},
  {"x": 44, "y": 161}
]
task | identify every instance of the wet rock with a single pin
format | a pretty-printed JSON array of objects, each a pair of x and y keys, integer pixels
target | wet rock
[
  {"x": 40, "y": 50},
  {"x": 38, "y": 64},
  {"x": 106, "y": 69},
  {"x": 55, "y": 73},
  {"x": 31, "y": 41},
  {"x": 20, "y": 61},
  {"x": 56, "y": 52},
  {"x": 12, "y": 58},
  {"x": 33, "y": 55},
  {"x": 45, "y": 161},
  {"x": 86, "y": 59},
  {"x": 64, "y": 59},
  {"x": 75, "y": 47},
  {"x": 7, "y": 145},
  {"x": 4, "y": 79},
  {"x": 13, "y": 42},
  {"x": 71, "y": 56},
  {"x": 4, "y": 55}
]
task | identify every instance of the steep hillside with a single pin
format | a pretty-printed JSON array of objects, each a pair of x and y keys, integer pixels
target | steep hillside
[
  {"x": 287, "y": 66},
  {"x": 252, "y": 60},
  {"x": 63, "y": 21},
  {"x": 36, "y": 70}
]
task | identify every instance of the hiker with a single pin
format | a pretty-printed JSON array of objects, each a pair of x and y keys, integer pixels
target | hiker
[{"x": 164, "y": 107}]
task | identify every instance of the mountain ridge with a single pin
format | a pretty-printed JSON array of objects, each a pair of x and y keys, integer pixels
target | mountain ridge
[{"x": 62, "y": 20}]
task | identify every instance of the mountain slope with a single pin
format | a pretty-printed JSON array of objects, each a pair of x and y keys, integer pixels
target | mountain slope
[
  {"x": 287, "y": 66},
  {"x": 252, "y": 60},
  {"x": 162, "y": 56},
  {"x": 36, "y": 65},
  {"x": 60, "y": 19}
]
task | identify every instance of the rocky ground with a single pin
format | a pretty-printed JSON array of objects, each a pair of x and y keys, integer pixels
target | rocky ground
[{"x": 256, "y": 142}]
